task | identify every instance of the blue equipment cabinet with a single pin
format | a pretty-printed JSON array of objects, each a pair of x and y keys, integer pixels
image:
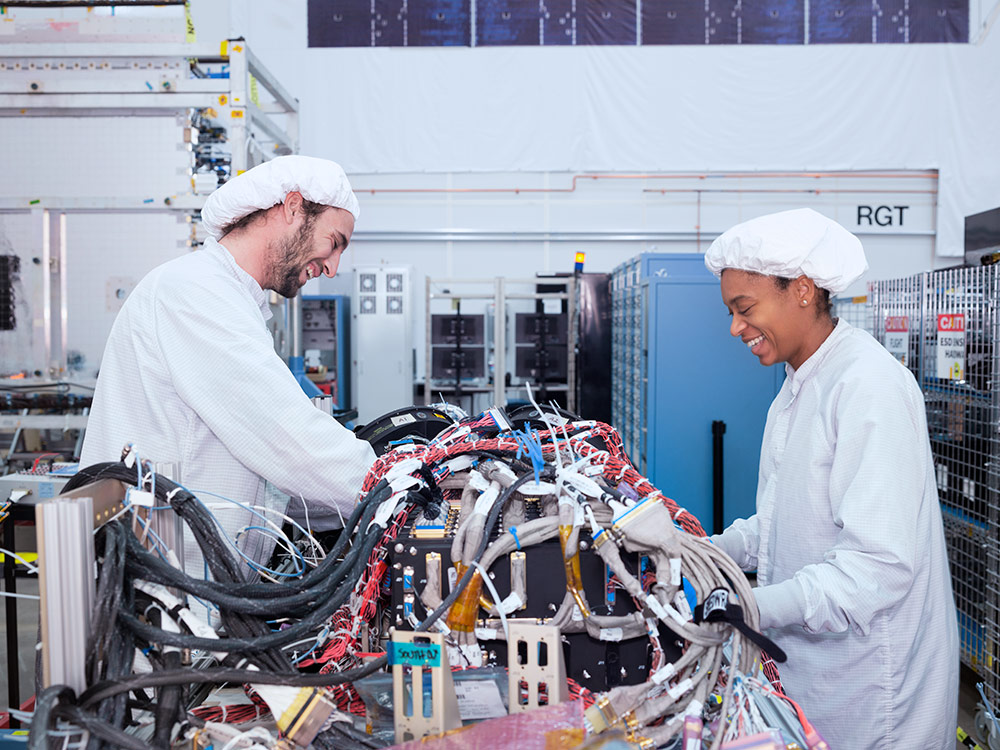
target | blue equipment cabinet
[
  {"x": 676, "y": 370},
  {"x": 326, "y": 330}
]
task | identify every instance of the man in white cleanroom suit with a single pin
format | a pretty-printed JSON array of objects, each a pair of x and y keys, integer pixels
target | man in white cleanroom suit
[
  {"x": 190, "y": 374},
  {"x": 847, "y": 539}
]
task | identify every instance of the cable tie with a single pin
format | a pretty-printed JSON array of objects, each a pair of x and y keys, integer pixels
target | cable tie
[{"x": 513, "y": 531}]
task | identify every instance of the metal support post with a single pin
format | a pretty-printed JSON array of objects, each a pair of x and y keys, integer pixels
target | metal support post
[
  {"x": 163, "y": 521},
  {"x": 239, "y": 75},
  {"x": 535, "y": 667},
  {"x": 64, "y": 531}
]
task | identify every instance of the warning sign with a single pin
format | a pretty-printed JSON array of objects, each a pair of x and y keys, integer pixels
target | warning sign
[
  {"x": 951, "y": 347},
  {"x": 897, "y": 337}
]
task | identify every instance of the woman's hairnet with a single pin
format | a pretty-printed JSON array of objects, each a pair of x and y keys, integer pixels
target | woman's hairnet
[
  {"x": 790, "y": 244},
  {"x": 266, "y": 185}
]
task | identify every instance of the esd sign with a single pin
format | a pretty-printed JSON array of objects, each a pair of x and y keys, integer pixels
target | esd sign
[
  {"x": 951, "y": 322},
  {"x": 951, "y": 346},
  {"x": 897, "y": 336}
]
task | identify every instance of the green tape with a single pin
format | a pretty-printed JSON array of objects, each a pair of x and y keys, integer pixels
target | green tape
[
  {"x": 413, "y": 655},
  {"x": 32, "y": 203}
]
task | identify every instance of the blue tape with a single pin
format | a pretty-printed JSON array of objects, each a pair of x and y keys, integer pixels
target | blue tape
[
  {"x": 414, "y": 655},
  {"x": 513, "y": 531}
]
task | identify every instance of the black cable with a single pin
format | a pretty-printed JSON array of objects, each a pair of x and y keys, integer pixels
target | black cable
[
  {"x": 218, "y": 675},
  {"x": 285, "y": 598},
  {"x": 342, "y": 736},
  {"x": 245, "y": 633},
  {"x": 43, "y": 720},
  {"x": 168, "y": 703},
  {"x": 225, "y": 674},
  {"x": 272, "y": 639},
  {"x": 115, "y": 737}
]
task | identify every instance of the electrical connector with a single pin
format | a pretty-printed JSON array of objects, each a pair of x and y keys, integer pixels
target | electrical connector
[{"x": 305, "y": 716}]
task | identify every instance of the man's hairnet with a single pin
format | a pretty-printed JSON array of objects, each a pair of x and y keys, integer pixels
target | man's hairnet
[
  {"x": 790, "y": 244},
  {"x": 266, "y": 185}
]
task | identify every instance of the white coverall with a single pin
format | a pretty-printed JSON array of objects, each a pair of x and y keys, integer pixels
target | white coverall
[
  {"x": 190, "y": 375},
  {"x": 850, "y": 555}
]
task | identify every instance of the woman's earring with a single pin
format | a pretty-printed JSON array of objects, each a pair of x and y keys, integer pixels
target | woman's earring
[{"x": 805, "y": 302}]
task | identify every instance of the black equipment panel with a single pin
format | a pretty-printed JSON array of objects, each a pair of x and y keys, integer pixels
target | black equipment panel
[{"x": 597, "y": 665}]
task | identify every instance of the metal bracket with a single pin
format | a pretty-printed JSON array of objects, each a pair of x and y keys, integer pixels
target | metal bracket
[
  {"x": 66, "y": 583},
  {"x": 535, "y": 667},
  {"x": 416, "y": 670},
  {"x": 65, "y": 536}
]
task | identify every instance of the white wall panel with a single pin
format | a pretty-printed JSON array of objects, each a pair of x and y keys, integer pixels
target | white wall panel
[
  {"x": 125, "y": 247},
  {"x": 93, "y": 156},
  {"x": 816, "y": 107}
]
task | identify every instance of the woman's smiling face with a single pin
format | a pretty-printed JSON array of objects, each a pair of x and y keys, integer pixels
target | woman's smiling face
[{"x": 773, "y": 322}]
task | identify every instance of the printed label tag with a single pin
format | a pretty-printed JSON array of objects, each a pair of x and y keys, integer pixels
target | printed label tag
[
  {"x": 897, "y": 336},
  {"x": 479, "y": 699}
]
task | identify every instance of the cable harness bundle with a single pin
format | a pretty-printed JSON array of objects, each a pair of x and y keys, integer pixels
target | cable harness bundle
[{"x": 298, "y": 645}]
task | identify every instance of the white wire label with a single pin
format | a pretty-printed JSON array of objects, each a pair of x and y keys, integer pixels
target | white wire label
[{"x": 951, "y": 346}]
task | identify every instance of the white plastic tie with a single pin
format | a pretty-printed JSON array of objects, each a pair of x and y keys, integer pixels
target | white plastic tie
[
  {"x": 139, "y": 498},
  {"x": 478, "y": 482},
  {"x": 402, "y": 468},
  {"x": 611, "y": 634},
  {"x": 486, "y": 500},
  {"x": 681, "y": 603},
  {"x": 679, "y": 689},
  {"x": 511, "y": 603},
  {"x": 675, "y": 571},
  {"x": 664, "y": 673},
  {"x": 459, "y": 463},
  {"x": 536, "y": 489},
  {"x": 399, "y": 484},
  {"x": 386, "y": 510}
]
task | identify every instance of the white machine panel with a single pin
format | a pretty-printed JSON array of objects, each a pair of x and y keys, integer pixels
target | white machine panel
[{"x": 382, "y": 314}]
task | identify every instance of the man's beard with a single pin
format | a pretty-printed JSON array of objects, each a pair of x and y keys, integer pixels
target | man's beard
[{"x": 288, "y": 260}]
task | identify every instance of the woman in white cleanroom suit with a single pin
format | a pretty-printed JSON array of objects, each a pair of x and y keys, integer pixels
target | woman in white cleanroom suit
[{"x": 847, "y": 539}]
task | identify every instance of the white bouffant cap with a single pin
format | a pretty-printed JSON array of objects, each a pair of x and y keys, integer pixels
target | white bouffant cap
[
  {"x": 790, "y": 244},
  {"x": 266, "y": 185}
]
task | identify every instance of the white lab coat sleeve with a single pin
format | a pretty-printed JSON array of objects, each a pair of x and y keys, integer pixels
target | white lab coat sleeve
[
  {"x": 741, "y": 541},
  {"x": 877, "y": 485},
  {"x": 223, "y": 366}
]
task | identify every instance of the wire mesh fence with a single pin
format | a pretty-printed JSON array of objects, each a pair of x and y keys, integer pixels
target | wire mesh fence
[
  {"x": 854, "y": 310},
  {"x": 944, "y": 326}
]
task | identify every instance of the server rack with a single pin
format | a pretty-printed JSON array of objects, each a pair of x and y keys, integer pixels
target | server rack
[
  {"x": 677, "y": 376},
  {"x": 326, "y": 332}
]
